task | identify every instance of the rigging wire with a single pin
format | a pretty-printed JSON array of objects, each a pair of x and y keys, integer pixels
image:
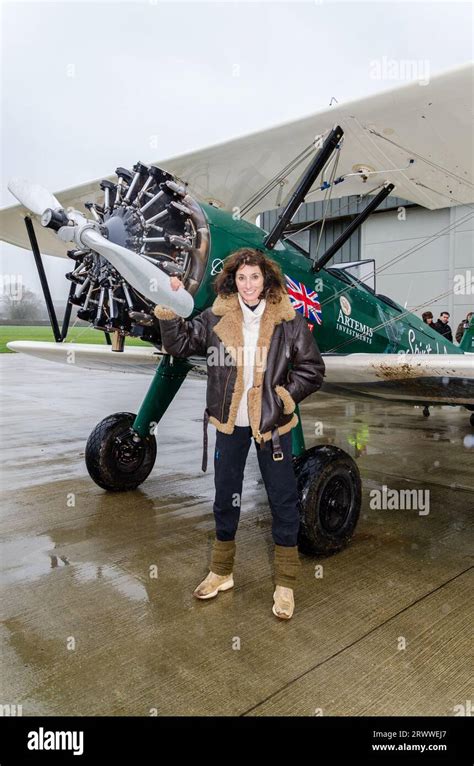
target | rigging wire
[
  {"x": 401, "y": 256},
  {"x": 343, "y": 207},
  {"x": 281, "y": 175},
  {"x": 328, "y": 198},
  {"x": 277, "y": 179},
  {"x": 419, "y": 156}
]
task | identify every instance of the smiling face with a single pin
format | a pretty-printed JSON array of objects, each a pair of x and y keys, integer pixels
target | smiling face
[{"x": 249, "y": 282}]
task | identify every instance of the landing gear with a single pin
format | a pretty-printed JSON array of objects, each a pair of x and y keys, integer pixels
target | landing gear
[
  {"x": 121, "y": 450},
  {"x": 426, "y": 412},
  {"x": 471, "y": 419},
  {"x": 117, "y": 458},
  {"x": 330, "y": 492}
]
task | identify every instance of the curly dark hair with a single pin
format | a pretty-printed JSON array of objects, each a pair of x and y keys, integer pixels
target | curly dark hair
[{"x": 273, "y": 280}]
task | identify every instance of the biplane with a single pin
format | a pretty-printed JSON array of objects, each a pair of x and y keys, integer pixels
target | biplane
[{"x": 127, "y": 234}]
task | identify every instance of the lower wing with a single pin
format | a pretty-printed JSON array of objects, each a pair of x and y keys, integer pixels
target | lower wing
[
  {"x": 94, "y": 356},
  {"x": 418, "y": 378}
]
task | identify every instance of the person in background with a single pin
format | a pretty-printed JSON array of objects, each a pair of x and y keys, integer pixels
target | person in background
[
  {"x": 462, "y": 326},
  {"x": 427, "y": 317},
  {"x": 443, "y": 327}
]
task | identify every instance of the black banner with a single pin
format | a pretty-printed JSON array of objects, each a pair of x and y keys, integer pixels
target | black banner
[{"x": 149, "y": 740}]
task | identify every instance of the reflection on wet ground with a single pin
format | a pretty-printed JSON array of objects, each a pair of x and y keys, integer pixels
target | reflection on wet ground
[{"x": 99, "y": 617}]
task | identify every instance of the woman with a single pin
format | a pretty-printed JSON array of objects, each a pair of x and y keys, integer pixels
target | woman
[
  {"x": 250, "y": 335},
  {"x": 427, "y": 317}
]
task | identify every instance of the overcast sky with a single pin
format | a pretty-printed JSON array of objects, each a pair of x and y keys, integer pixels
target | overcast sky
[{"x": 88, "y": 86}]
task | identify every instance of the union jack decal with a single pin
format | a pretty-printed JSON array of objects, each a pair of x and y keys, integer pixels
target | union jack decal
[{"x": 303, "y": 300}]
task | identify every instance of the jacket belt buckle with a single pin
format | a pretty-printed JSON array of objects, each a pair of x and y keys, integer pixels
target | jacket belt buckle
[{"x": 277, "y": 450}]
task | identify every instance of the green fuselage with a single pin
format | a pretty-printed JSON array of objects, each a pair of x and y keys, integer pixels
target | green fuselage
[{"x": 352, "y": 319}]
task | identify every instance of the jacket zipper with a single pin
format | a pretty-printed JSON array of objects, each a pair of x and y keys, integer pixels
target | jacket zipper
[
  {"x": 225, "y": 391},
  {"x": 287, "y": 348}
]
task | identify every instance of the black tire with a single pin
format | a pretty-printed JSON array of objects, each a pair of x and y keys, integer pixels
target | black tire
[
  {"x": 471, "y": 419},
  {"x": 330, "y": 493},
  {"x": 119, "y": 466}
]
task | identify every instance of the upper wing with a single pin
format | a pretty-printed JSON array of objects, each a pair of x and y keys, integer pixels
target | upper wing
[
  {"x": 431, "y": 124},
  {"x": 423, "y": 378}
]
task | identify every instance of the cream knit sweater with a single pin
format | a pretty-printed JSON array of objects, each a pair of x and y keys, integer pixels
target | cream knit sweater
[{"x": 251, "y": 327}]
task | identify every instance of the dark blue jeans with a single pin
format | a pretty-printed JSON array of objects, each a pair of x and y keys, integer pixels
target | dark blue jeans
[{"x": 230, "y": 456}]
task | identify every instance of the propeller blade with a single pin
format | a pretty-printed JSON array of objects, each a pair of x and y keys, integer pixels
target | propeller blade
[
  {"x": 143, "y": 275},
  {"x": 33, "y": 196}
]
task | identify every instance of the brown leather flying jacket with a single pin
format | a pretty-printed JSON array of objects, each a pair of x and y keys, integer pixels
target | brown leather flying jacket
[{"x": 288, "y": 364}]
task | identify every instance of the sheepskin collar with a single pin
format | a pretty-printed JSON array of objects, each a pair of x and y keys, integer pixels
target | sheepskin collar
[
  {"x": 229, "y": 327},
  {"x": 277, "y": 312}
]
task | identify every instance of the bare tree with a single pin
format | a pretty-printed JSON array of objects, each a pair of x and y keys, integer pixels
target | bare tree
[{"x": 26, "y": 306}]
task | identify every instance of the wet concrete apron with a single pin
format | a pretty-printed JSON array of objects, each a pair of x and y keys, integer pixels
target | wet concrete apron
[{"x": 98, "y": 613}]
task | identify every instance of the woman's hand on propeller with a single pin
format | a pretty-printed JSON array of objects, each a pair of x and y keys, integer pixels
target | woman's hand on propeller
[{"x": 175, "y": 283}]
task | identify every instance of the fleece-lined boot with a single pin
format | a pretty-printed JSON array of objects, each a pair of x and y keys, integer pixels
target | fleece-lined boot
[
  {"x": 220, "y": 578},
  {"x": 287, "y": 564}
]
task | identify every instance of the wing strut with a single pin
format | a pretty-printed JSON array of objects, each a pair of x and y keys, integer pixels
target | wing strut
[
  {"x": 358, "y": 220},
  {"x": 59, "y": 334},
  {"x": 304, "y": 185}
]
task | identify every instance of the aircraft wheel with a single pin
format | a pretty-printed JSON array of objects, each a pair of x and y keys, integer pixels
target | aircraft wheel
[
  {"x": 330, "y": 493},
  {"x": 426, "y": 412},
  {"x": 471, "y": 419},
  {"x": 114, "y": 460}
]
